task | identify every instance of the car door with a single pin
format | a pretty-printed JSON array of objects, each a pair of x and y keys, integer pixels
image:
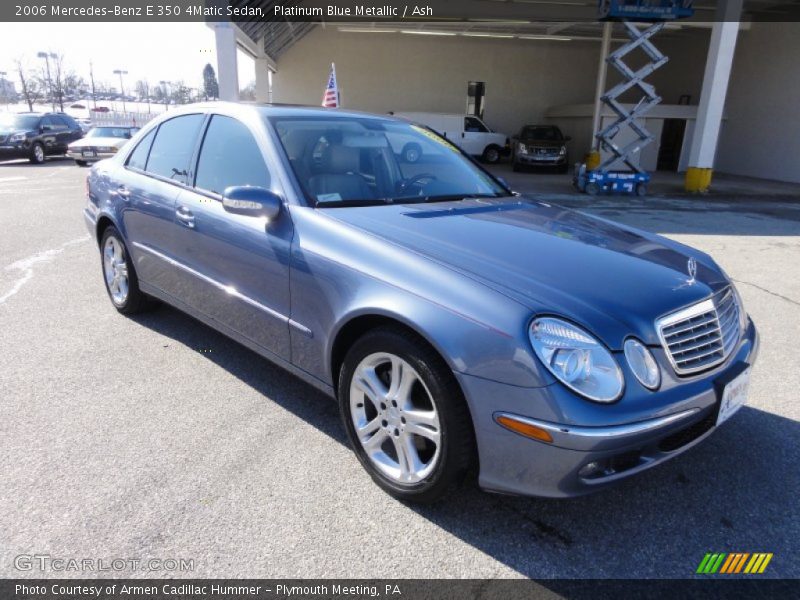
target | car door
[
  {"x": 147, "y": 189},
  {"x": 74, "y": 131},
  {"x": 48, "y": 129},
  {"x": 474, "y": 136},
  {"x": 241, "y": 263}
]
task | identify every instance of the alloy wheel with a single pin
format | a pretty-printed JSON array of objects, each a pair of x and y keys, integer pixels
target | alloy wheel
[
  {"x": 38, "y": 153},
  {"x": 115, "y": 270},
  {"x": 395, "y": 418}
]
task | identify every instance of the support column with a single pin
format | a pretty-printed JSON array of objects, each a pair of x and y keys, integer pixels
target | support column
[
  {"x": 227, "y": 65},
  {"x": 593, "y": 160},
  {"x": 712, "y": 98},
  {"x": 264, "y": 79}
]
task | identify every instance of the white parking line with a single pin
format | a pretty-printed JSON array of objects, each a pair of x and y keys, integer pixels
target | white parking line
[
  {"x": 25, "y": 265},
  {"x": 4, "y": 179}
]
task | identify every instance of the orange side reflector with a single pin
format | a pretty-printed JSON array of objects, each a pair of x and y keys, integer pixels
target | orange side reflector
[{"x": 526, "y": 429}]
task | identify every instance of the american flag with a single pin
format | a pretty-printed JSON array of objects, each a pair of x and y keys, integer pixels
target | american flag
[{"x": 330, "y": 99}]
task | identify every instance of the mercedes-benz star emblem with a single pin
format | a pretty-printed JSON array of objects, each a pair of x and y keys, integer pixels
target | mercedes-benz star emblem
[{"x": 691, "y": 267}]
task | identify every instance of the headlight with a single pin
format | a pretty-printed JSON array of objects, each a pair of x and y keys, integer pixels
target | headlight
[
  {"x": 17, "y": 137},
  {"x": 522, "y": 148},
  {"x": 642, "y": 363},
  {"x": 577, "y": 359},
  {"x": 563, "y": 150}
]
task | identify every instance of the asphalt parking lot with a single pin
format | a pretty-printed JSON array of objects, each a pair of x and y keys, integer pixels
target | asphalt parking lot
[{"x": 155, "y": 437}]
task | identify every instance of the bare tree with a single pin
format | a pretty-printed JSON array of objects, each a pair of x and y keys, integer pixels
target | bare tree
[
  {"x": 31, "y": 90},
  {"x": 143, "y": 91},
  {"x": 57, "y": 74},
  {"x": 248, "y": 92}
]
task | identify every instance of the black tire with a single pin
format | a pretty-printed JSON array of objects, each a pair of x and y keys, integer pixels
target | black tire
[
  {"x": 412, "y": 152},
  {"x": 81, "y": 163},
  {"x": 641, "y": 189},
  {"x": 458, "y": 452},
  {"x": 592, "y": 189},
  {"x": 37, "y": 153},
  {"x": 135, "y": 301},
  {"x": 491, "y": 155}
]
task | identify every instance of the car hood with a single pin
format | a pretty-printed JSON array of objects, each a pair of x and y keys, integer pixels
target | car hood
[
  {"x": 614, "y": 280},
  {"x": 98, "y": 141}
]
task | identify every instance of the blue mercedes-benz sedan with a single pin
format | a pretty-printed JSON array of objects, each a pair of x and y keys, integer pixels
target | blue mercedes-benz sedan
[{"x": 462, "y": 328}]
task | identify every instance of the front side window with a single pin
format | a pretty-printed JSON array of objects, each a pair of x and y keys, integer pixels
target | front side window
[
  {"x": 341, "y": 161},
  {"x": 229, "y": 156},
  {"x": 474, "y": 125},
  {"x": 173, "y": 147},
  {"x": 138, "y": 158}
]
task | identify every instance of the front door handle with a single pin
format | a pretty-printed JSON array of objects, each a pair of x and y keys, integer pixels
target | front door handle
[{"x": 185, "y": 216}]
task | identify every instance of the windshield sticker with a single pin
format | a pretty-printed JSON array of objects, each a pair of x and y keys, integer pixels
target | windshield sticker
[
  {"x": 434, "y": 137},
  {"x": 333, "y": 197}
]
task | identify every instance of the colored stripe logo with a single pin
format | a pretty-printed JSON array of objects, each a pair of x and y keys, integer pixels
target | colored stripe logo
[{"x": 734, "y": 562}]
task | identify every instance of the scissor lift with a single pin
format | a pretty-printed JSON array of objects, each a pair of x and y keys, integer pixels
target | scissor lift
[{"x": 634, "y": 180}]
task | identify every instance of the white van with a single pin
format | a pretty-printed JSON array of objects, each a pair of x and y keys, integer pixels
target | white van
[{"x": 466, "y": 131}]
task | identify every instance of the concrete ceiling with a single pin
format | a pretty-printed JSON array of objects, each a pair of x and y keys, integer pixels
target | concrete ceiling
[{"x": 511, "y": 19}]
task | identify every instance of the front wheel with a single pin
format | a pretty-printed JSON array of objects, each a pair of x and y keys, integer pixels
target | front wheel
[
  {"x": 405, "y": 415},
  {"x": 37, "y": 154},
  {"x": 491, "y": 155}
]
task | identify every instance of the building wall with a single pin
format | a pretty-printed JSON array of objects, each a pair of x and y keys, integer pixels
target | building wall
[
  {"x": 761, "y": 134},
  {"x": 400, "y": 72}
]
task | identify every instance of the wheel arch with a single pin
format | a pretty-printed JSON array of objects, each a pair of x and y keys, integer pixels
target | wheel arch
[
  {"x": 103, "y": 223},
  {"x": 356, "y": 325}
]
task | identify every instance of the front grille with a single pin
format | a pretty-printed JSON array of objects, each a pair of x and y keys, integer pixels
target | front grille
[
  {"x": 545, "y": 152},
  {"x": 703, "y": 335}
]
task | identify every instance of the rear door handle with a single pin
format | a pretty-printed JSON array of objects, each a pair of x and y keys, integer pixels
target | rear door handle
[{"x": 185, "y": 216}]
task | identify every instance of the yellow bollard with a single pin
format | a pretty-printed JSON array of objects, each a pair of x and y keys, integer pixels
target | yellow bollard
[
  {"x": 698, "y": 180},
  {"x": 592, "y": 160}
]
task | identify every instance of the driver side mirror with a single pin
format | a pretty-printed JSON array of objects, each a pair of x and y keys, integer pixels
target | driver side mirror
[{"x": 251, "y": 201}]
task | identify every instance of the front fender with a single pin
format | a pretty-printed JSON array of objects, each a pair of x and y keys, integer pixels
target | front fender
[{"x": 340, "y": 274}]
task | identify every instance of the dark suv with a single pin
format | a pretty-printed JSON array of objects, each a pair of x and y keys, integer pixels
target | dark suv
[
  {"x": 36, "y": 135},
  {"x": 540, "y": 146}
]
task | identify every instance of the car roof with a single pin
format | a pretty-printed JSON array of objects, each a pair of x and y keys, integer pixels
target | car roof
[{"x": 281, "y": 110}]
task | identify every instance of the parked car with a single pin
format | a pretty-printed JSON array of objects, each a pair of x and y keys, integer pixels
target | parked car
[
  {"x": 36, "y": 135},
  {"x": 86, "y": 124},
  {"x": 460, "y": 327},
  {"x": 99, "y": 143},
  {"x": 469, "y": 133},
  {"x": 540, "y": 146}
]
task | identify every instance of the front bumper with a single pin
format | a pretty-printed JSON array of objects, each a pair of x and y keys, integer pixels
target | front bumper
[
  {"x": 12, "y": 151},
  {"x": 621, "y": 439},
  {"x": 541, "y": 160}
]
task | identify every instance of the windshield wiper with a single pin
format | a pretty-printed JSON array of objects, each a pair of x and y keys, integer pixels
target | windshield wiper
[{"x": 456, "y": 197}]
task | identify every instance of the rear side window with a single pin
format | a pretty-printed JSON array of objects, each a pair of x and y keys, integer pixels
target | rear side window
[
  {"x": 138, "y": 158},
  {"x": 229, "y": 156},
  {"x": 173, "y": 147},
  {"x": 71, "y": 123}
]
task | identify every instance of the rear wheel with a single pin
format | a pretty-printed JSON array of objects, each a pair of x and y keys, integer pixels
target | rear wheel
[
  {"x": 641, "y": 189},
  {"x": 405, "y": 415},
  {"x": 119, "y": 274},
  {"x": 37, "y": 153},
  {"x": 81, "y": 163}
]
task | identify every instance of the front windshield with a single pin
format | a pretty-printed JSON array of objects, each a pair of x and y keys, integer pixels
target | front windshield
[
  {"x": 112, "y": 132},
  {"x": 342, "y": 161},
  {"x": 12, "y": 121},
  {"x": 542, "y": 133}
]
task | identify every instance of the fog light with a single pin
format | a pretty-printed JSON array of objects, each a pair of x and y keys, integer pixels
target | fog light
[
  {"x": 524, "y": 428},
  {"x": 642, "y": 363},
  {"x": 590, "y": 470}
]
